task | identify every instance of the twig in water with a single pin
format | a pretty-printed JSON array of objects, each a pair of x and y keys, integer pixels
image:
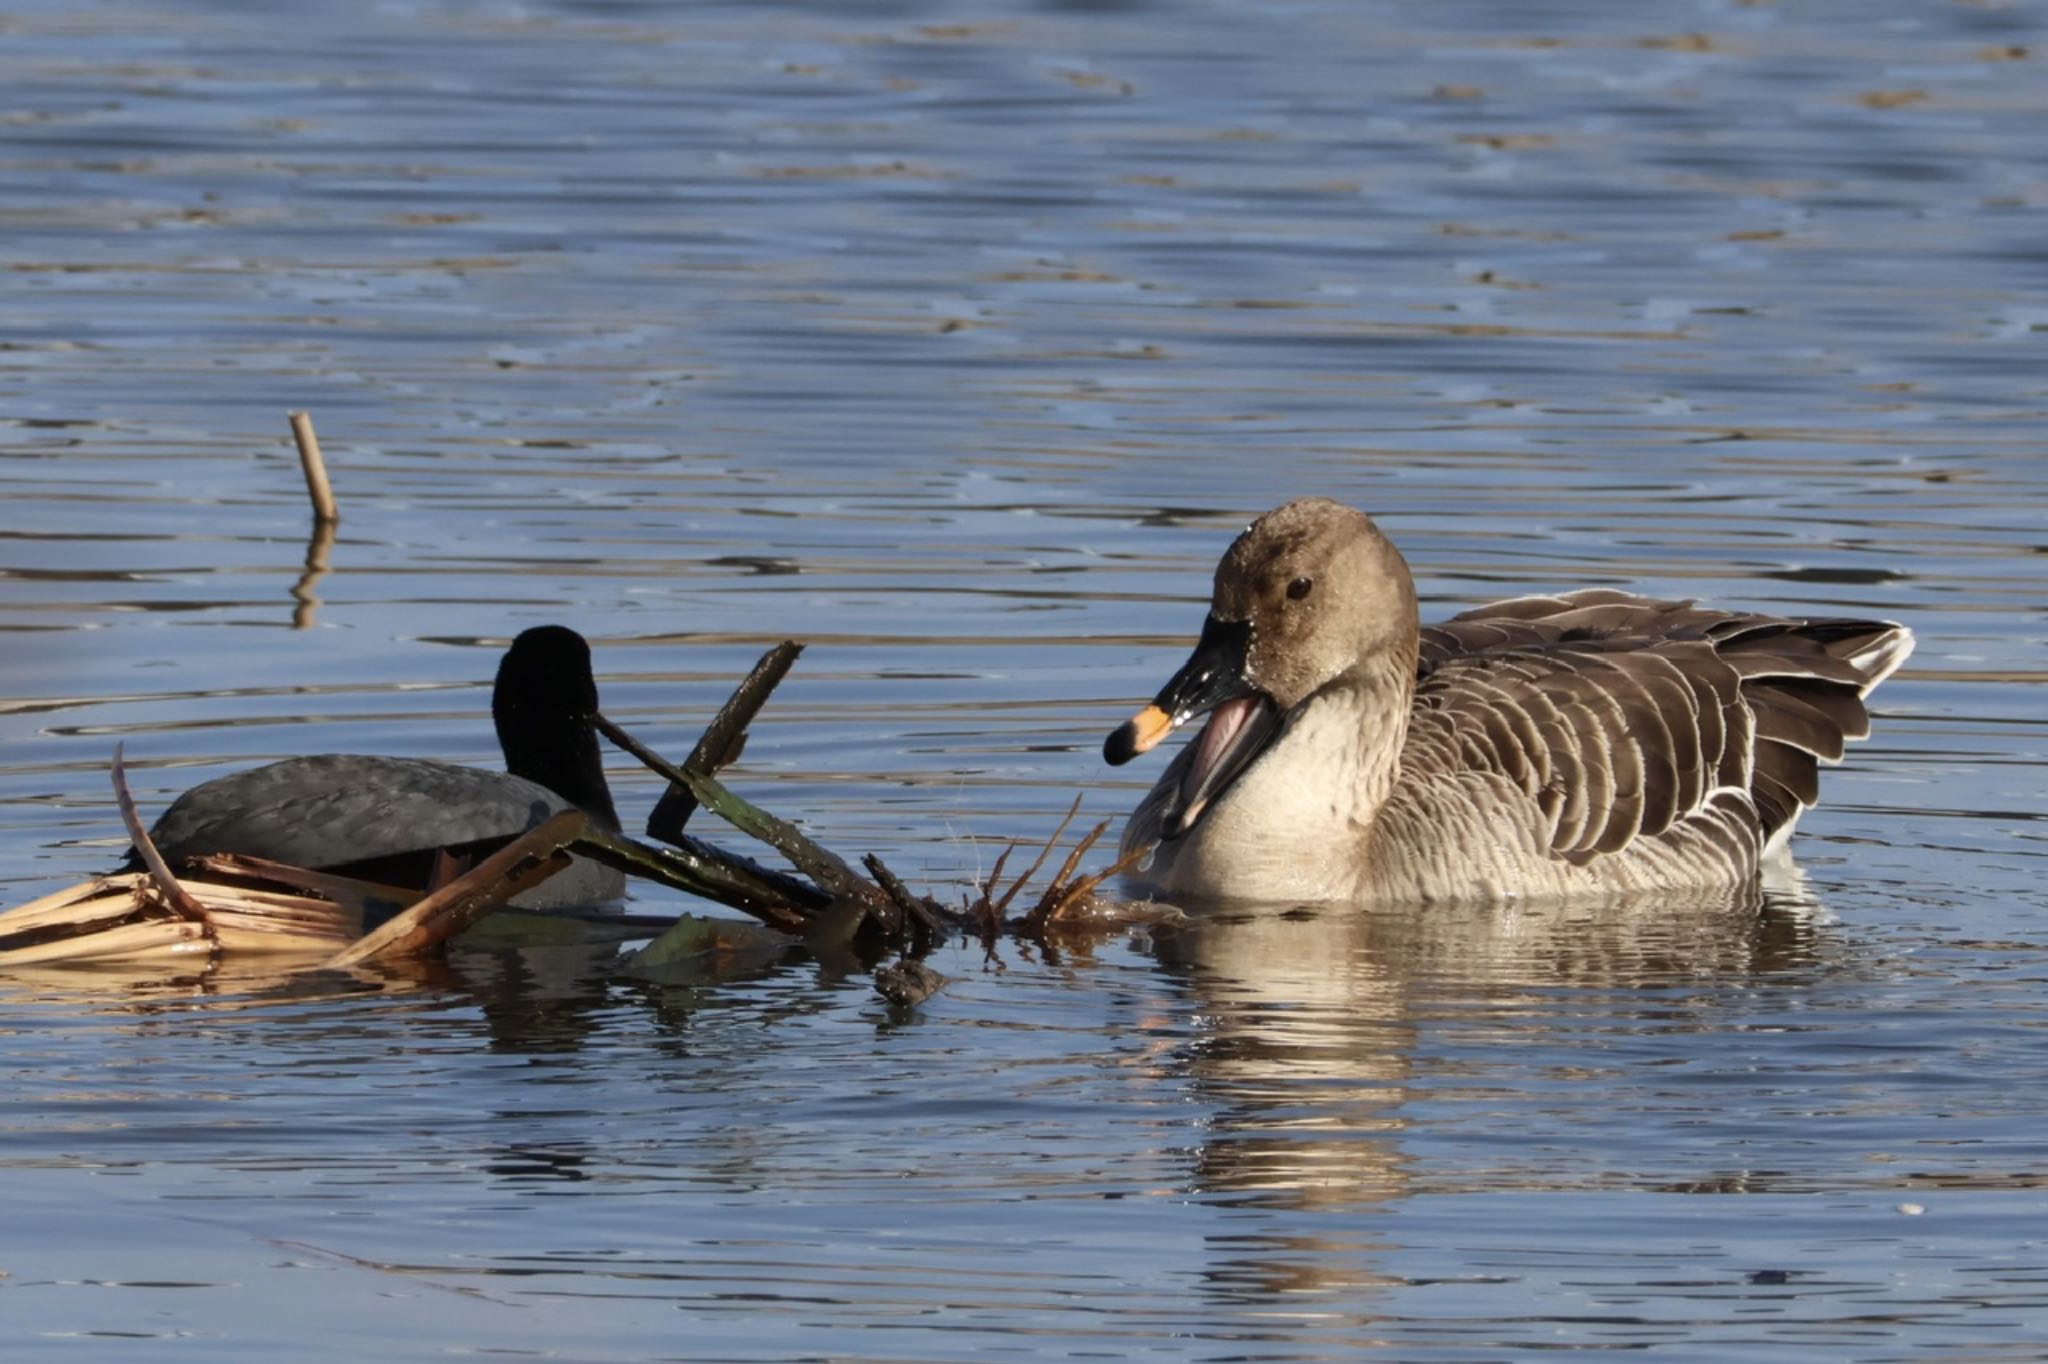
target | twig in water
[
  {"x": 1059, "y": 879},
  {"x": 919, "y": 913},
  {"x": 720, "y": 743},
  {"x": 175, "y": 895},
  {"x": 982, "y": 912},
  {"x": 810, "y": 858},
  {"x": 777, "y": 899},
  {"x": 1037, "y": 862},
  {"x": 1061, "y": 899},
  {"x": 315, "y": 467}
]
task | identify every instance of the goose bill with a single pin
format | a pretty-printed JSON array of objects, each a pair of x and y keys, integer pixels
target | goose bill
[
  {"x": 1213, "y": 674},
  {"x": 1237, "y": 732},
  {"x": 1242, "y": 720}
]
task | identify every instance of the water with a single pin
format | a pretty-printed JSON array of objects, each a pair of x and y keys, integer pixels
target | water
[{"x": 958, "y": 341}]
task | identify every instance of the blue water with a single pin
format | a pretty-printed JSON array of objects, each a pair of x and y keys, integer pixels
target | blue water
[{"x": 958, "y": 342}]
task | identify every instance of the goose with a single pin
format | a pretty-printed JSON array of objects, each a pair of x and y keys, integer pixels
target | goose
[
  {"x": 384, "y": 819},
  {"x": 1591, "y": 743}
]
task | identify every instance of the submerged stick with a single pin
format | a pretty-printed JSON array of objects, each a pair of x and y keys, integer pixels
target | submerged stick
[
  {"x": 908, "y": 984},
  {"x": 315, "y": 468},
  {"x": 175, "y": 895},
  {"x": 520, "y": 865},
  {"x": 720, "y": 741}
]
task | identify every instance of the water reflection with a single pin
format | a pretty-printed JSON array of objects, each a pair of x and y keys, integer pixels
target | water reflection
[
  {"x": 542, "y": 999},
  {"x": 1312, "y": 1054},
  {"x": 319, "y": 554},
  {"x": 237, "y": 982},
  {"x": 1310, "y": 1016}
]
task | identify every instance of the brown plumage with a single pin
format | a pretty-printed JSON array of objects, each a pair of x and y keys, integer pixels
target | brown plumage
[
  {"x": 1589, "y": 742},
  {"x": 1680, "y": 700}
]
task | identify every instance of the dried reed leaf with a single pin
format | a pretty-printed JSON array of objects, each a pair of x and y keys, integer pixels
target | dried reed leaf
[
  {"x": 149, "y": 938},
  {"x": 523, "y": 863},
  {"x": 167, "y": 885},
  {"x": 101, "y": 900}
]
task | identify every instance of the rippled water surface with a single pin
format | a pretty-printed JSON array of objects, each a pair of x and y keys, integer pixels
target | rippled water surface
[{"x": 957, "y": 340}]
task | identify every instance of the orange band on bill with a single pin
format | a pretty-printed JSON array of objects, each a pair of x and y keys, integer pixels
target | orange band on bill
[{"x": 1148, "y": 727}]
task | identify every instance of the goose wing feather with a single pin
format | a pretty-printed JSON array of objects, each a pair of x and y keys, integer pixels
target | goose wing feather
[
  {"x": 1623, "y": 716},
  {"x": 1612, "y": 748}
]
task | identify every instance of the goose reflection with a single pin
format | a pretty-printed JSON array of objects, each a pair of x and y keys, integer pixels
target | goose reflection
[{"x": 1313, "y": 1051}]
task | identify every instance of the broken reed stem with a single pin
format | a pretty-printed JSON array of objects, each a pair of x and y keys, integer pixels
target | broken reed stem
[
  {"x": 719, "y": 744},
  {"x": 779, "y": 900},
  {"x": 76, "y": 909},
  {"x": 315, "y": 467},
  {"x": 321, "y": 883},
  {"x": 1047, "y": 914},
  {"x": 144, "y": 938},
  {"x": 520, "y": 865},
  {"x": 1032, "y": 870},
  {"x": 982, "y": 912},
  {"x": 176, "y": 896},
  {"x": 915, "y": 909},
  {"x": 815, "y": 861},
  {"x": 1059, "y": 878}
]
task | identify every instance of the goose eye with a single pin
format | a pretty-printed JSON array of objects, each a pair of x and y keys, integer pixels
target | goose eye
[{"x": 1300, "y": 588}]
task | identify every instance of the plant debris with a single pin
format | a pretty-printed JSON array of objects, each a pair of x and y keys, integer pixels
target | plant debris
[
  {"x": 218, "y": 904},
  {"x": 908, "y": 983}
]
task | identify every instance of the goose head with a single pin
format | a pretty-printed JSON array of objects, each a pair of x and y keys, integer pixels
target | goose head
[{"x": 1310, "y": 596}]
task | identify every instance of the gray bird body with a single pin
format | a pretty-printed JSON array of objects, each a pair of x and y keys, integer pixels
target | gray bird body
[{"x": 385, "y": 818}]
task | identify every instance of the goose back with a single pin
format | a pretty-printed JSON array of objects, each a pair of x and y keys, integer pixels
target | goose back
[{"x": 1623, "y": 717}]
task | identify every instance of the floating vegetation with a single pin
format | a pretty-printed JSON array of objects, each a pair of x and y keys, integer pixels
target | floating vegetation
[{"x": 218, "y": 905}]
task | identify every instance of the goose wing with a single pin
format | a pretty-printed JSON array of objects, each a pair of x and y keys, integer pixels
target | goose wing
[{"x": 1622, "y": 716}]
